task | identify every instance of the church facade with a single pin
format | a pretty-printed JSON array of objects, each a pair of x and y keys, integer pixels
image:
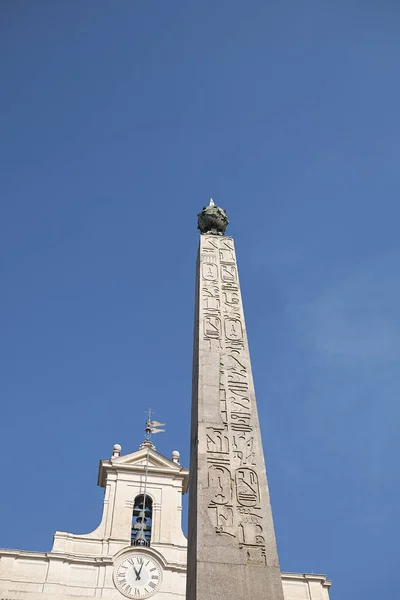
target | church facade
[{"x": 139, "y": 550}]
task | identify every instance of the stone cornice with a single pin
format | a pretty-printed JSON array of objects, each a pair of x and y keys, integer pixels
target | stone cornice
[
  {"x": 64, "y": 556},
  {"x": 89, "y": 560},
  {"x": 308, "y": 577}
]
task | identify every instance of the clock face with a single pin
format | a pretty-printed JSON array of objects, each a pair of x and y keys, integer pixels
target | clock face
[{"x": 138, "y": 575}]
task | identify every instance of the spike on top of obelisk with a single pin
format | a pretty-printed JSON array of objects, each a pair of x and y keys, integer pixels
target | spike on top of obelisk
[{"x": 212, "y": 219}]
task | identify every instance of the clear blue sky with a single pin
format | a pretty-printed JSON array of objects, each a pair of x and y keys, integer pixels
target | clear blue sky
[{"x": 118, "y": 121}]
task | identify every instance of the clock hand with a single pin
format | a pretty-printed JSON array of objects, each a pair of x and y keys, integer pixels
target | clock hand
[
  {"x": 136, "y": 573},
  {"x": 140, "y": 570}
]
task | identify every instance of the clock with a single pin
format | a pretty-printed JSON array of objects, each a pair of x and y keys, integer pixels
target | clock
[{"x": 138, "y": 575}]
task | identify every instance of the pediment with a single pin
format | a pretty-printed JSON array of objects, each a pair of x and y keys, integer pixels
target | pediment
[
  {"x": 139, "y": 458},
  {"x": 137, "y": 461}
]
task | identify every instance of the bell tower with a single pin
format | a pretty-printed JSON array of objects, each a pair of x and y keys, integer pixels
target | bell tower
[
  {"x": 141, "y": 523},
  {"x": 142, "y": 502}
]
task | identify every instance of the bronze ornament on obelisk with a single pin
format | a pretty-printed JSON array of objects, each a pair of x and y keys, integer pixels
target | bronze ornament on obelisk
[{"x": 232, "y": 551}]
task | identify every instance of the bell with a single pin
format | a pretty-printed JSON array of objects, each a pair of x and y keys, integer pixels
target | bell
[
  {"x": 137, "y": 526},
  {"x": 141, "y": 517},
  {"x": 140, "y": 538}
]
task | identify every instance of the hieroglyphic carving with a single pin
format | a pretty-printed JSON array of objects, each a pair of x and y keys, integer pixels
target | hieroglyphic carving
[
  {"x": 239, "y": 402},
  {"x": 256, "y": 555},
  {"x": 247, "y": 488},
  {"x": 234, "y": 494},
  {"x": 209, "y": 272},
  {"x": 220, "y": 484},
  {"x": 243, "y": 448},
  {"x": 222, "y": 402},
  {"x": 242, "y": 404},
  {"x": 217, "y": 440},
  {"x": 227, "y": 244},
  {"x": 212, "y": 326},
  {"x": 247, "y": 515},
  {"x": 235, "y": 365},
  {"x": 250, "y": 534},
  {"x": 223, "y": 519},
  {"x": 231, "y": 311},
  {"x": 229, "y": 273},
  {"x": 208, "y": 257},
  {"x": 239, "y": 388},
  {"x": 210, "y": 297},
  {"x": 241, "y": 421},
  {"x": 226, "y": 252},
  {"x": 230, "y": 287},
  {"x": 231, "y": 299},
  {"x": 238, "y": 399},
  {"x": 241, "y": 427},
  {"x": 210, "y": 244},
  {"x": 214, "y": 344},
  {"x": 233, "y": 329}
]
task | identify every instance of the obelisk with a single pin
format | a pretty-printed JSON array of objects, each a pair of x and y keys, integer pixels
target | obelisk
[{"x": 232, "y": 551}]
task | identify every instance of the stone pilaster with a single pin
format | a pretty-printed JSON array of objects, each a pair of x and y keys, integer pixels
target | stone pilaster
[{"x": 232, "y": 551}]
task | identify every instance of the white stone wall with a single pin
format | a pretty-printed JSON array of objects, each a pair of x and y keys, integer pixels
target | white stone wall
[
  {"x": 30, "y": 576},
  {"x": 306, "y": 586},
  {"x": 46, "y": 578}
]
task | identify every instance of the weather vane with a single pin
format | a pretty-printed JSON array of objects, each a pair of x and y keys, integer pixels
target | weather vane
[{"x": 152, "y": 427}]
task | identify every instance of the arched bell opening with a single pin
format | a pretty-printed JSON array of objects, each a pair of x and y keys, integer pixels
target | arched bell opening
[{"x": 141, "y": 521}]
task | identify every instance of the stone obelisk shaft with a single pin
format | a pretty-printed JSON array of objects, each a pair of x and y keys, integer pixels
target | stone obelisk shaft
[{"x": 232, "y": 551}]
